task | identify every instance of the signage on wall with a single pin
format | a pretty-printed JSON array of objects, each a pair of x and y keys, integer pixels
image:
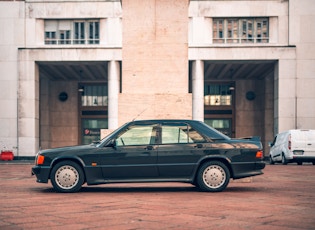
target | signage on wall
[{"x": 92, "y": 132}]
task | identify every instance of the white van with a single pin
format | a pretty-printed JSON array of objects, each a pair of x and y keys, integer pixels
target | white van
[{"x": 297, "y": 145}]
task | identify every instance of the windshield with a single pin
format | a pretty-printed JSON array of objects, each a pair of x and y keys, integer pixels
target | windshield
[{"x": 110, "y": 135}]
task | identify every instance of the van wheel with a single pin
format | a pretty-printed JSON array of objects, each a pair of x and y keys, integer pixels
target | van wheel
[
  {"x": 284, "y": 160},
  {"x": 271, "y": 161}
]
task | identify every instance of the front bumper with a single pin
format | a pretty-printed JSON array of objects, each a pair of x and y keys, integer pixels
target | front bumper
[{"x": 42, "y": 173}]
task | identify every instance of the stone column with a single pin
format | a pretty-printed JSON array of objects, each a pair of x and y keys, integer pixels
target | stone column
[
  {"x": 113, "y": 91},
  {"x": 28, "y": 107},
  {"x": 285, "y": 107},
  {"x": 198, "y": 90}
]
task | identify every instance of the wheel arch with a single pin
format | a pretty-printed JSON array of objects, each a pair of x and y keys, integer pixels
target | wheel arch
[
  {"x": 223, "y": 160},
  {"x": 68, "y": 158}
]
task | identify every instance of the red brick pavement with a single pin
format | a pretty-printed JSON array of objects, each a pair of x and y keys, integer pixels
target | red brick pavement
[{"x": 282, "y": 198}]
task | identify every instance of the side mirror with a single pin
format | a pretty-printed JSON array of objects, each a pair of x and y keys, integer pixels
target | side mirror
[
  {"x": 270, "y": 144},
  {"x": 112, "y": 143}
]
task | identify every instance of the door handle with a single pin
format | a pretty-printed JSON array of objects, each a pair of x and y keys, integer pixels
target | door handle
[
  {"x": 198, "y": 146},
  {"x": 149, "y": 147}
]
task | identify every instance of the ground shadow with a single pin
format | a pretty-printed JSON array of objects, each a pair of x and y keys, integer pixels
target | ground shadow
[{"x": 148, "y": 189}]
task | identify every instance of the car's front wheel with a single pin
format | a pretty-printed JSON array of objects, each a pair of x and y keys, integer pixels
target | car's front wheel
[
  {"x": 67, "y": 176},
  {"x": 213, "y": 176}
]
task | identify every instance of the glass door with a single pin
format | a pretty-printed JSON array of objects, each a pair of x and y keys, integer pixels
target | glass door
[
  {"x": 91, "y": 129},
  {"x": 93, "y": 111}
]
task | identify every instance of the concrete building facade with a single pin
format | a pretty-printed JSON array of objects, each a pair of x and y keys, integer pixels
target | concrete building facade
[{"x": 72, "y": 71}]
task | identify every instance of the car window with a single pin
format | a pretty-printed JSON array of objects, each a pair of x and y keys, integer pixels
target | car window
[
  {"x": 137, "y": 135},
  {"x": 180, "y": 133}
]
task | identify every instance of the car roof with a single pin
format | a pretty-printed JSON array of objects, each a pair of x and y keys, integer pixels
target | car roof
[{"x": 163, "y": 120}]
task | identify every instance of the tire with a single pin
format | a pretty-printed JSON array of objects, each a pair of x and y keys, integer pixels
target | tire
[
  {"x": 271, "y": 161},
  {"x": 213, "y": 176},
  {"x": 284, "y": 160},
  {"x": 67, "y": 176}
]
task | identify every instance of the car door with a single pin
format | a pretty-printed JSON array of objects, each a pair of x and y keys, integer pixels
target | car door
[
  {"x": 134, "y": 154},
  {"x": 179, "y": 151}
]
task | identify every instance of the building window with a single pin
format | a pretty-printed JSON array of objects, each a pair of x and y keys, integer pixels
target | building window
[
  {"x": 50, "y": 37},
  {"x": 217, "y": 94},
  {"x": 240, "y": 30},
  {"x": 93, "y": 32},
  {"x": 94, "y": 95},
  {"x": 79, "y": 33},
  {"x": 60, "y": 32}
]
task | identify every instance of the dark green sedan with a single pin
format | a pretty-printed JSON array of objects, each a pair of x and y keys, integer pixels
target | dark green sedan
[{"x": 153, "y": 151}]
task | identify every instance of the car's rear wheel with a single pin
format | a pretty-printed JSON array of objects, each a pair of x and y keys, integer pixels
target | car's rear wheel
[
  {"x": 213, "y": 176},
  {"x": 67, "y": 176}
]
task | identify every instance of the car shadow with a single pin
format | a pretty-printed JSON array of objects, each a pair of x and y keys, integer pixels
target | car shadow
[
  {"x": 138, "y": 189},
  {"x": 150, "y": 189}
]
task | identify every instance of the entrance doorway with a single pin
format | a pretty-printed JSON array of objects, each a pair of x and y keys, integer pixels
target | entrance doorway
[{"x": 71, "y": 112}]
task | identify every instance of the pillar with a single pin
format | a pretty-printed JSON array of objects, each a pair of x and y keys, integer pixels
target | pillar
[
  {"x": 198, "y": 90},
  {"x": 113, "y": 92}
]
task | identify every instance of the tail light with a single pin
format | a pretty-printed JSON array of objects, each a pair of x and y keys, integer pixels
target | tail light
[
  {"x": 260, "y": 154},
  {"x": 289, "y": 143}
]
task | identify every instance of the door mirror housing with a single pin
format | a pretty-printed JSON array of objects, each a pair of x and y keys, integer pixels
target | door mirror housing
[{"x": 112, "y": 143}]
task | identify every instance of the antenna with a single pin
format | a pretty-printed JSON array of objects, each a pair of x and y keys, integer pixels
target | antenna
[{"x": 140, "y": 113}]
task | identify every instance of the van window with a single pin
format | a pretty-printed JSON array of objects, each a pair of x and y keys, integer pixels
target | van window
[{"x": 274, "y": 141}]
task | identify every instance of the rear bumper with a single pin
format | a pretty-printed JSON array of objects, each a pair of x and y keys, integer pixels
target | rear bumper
[
  {"x": 302, "y": 159},
  {"x": 247, "y": 169},
  {"x": 260, "y": 165},
  {"x": 41, "y": 173}
]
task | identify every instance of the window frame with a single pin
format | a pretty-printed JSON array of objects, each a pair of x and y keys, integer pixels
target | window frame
[
  {"x": 252, "y": 30},
  {"x": 188, "y": 132},
  {"x": 78, "y": 32},
  {"x": 120, "y": 142}
]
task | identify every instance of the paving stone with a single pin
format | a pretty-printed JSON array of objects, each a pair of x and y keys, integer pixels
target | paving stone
[{"x": 282, "y": 198}]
